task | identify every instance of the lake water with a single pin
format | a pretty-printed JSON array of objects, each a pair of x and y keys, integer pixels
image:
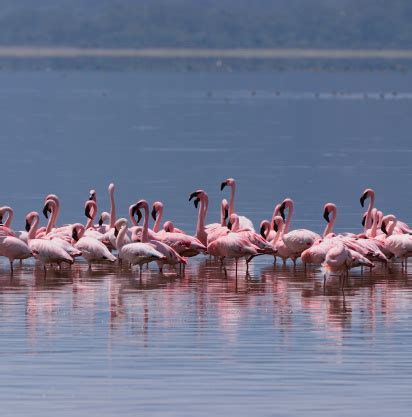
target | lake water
[{"x": 276, "y": 343}]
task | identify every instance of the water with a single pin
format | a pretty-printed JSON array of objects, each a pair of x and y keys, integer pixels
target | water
[{"x": 274, "y": 344}]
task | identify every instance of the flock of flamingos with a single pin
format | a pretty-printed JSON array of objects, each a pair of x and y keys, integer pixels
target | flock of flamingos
[{"x": 383, "y": 238}]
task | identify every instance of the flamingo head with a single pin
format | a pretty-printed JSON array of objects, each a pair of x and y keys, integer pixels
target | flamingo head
[
  {"x": 329, "y": 208},
  {"x": 120, "y": 223},
  {"x": 368, "y": 193},
  {"x": 136, "y": 209},
  {"x": 264, "y": 228},
  {"x": 49, "y": 205},
  {"x": 229, "y": 182},
  {"x": 92, "y": 195},
  {"x": 286, "y": 204},
  {"x": 277, "y": 221},
  {"x": 157, "y": 206}
]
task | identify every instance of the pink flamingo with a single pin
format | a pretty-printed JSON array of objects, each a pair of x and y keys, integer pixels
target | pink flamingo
[
  {"x": 44, "y": 250},
  {"x": 207, "y": 233},
  {"x": 245, "y": 223},
  {"x": 171, "y": 257},
  {"x": 299, "y": 239},
  {"x": 185, "y": 245},
  {"x": 370, "y": 194},
  {"x": 91, "y": 249},
  {"x": 254, "y": 238},
  {"x": 12, "y": 247},
  {"x": 232, "y": 245},
  {"x": 400, "y": 245},
  {"x": 338, "y": 260},
  {"x": 136, "y": 253},
  {"x": 157, "y": 214}
]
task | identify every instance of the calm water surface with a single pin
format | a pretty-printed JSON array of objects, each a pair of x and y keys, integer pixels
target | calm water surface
[{"x": 276, "y": 343}]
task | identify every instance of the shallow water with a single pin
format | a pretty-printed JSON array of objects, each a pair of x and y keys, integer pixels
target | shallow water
[{"x": 275, "y": 343}]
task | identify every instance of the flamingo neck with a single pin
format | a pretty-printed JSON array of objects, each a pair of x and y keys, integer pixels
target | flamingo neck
[
  {"x": 156, "y": 226},
  {"x": 392, "y": 227},
  {"x": 33, "y": 228},
  {"x": 145, "y": 232},
  {"x": 232, "y": 199},
  {"x": 112, "y": 208},
  {"x": 53, "y": 218},
  {"x": 374, "y": 227},
  {"x": 279, "y": 233},
  {"x": 331, "y": 224},
  {"x": 223, "y": 213},
  {"x": 120, "y": 236},
  {"x": 10, "y": 215},
  {"x": 204, "y": 204},
  {"x": 289, "y": 218},
  {"x": 368, "y": 220}
]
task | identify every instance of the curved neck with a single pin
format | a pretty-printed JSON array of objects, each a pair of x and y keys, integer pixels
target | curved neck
[
  {"x": 10, "y": 215},
  {"x": 112, "y": 208},
  {"x": 375, "y": 221},
  {"x": 145, "y": 232},
  {"x": 232, "y": 199},
  {"x": 391, "y": 227},
  {"x": 120, "y": 236},
  {"x": 331, "y": 224},
  {"x": 33, "y": 227},
  {"x": 289, "y": 218},
  {"x": 159, "y": 217},
  {"x": 53, "y": 218},
  {"x": 223, "y": 208},
  {"x": 279, "y": 233},
  {"x": 368, "y": 220},
  {"x": 133, "y": 220},
  {"x": 92, "y": 214},
  {"x": 204, "y": 203}
]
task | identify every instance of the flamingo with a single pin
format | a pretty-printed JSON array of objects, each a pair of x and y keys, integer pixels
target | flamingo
[
  {"x": 44, "y": 250},
  {"x": 232, "y": 245},
  {"x": 245, "y": 223},
  {"x": 369, "y": 193},
  {"x": 299, "y": 239},
  {"x": 400, "y": 245},
  {"x": 207, "y": 233},
  {"x": 254, "y": 238},
  {"x": 91, "y": 249},
  {"x": 185, "y": 245},
  {"x": 136, "y": 253},
  {"x": 91, "y": 229},
  {"x": 11, "y": 246},
  {"x": 338, "y": 260},
  {"x": 157, "y": 215},
  {"x": 171, "y": 257}
]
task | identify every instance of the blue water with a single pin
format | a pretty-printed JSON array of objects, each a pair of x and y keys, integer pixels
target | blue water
[{"x": 276, "y": 343}]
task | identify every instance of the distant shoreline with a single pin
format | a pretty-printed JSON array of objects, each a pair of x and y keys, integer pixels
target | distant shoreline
[{"x": 196, "y": 53}]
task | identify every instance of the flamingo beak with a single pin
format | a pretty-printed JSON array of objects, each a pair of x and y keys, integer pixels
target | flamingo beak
[
  {"x": 116, "y": 232},
  {"x": 101, "y": 221},
  {"x": 193, "y": 195},
  {"x": 229, "y": 225},
  {"x": 262, "y": 231},
  {"x": 226, "y": 213},
  {"x": 1, "y": 219},
  {"x": 383, "y": 228},
  {"x": 282, "y": 211},
  {"x": 196, "y": 202},
  {"x": 27, "y": 227},
  {"x": 46, "y": 211},
  {"x": 275, "y": 227},
  {"x": 87, "y": 212},
  {"x": 154, "y": 214},
  {"x": 136, "y": 210},
  {"x": 326, "y": 215},
  {"x": 75, "y": 236},
  {"x": 223, "y": 185},
  {"x": 363, "y": 220},
  {"x": 363, "y": 198}
]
